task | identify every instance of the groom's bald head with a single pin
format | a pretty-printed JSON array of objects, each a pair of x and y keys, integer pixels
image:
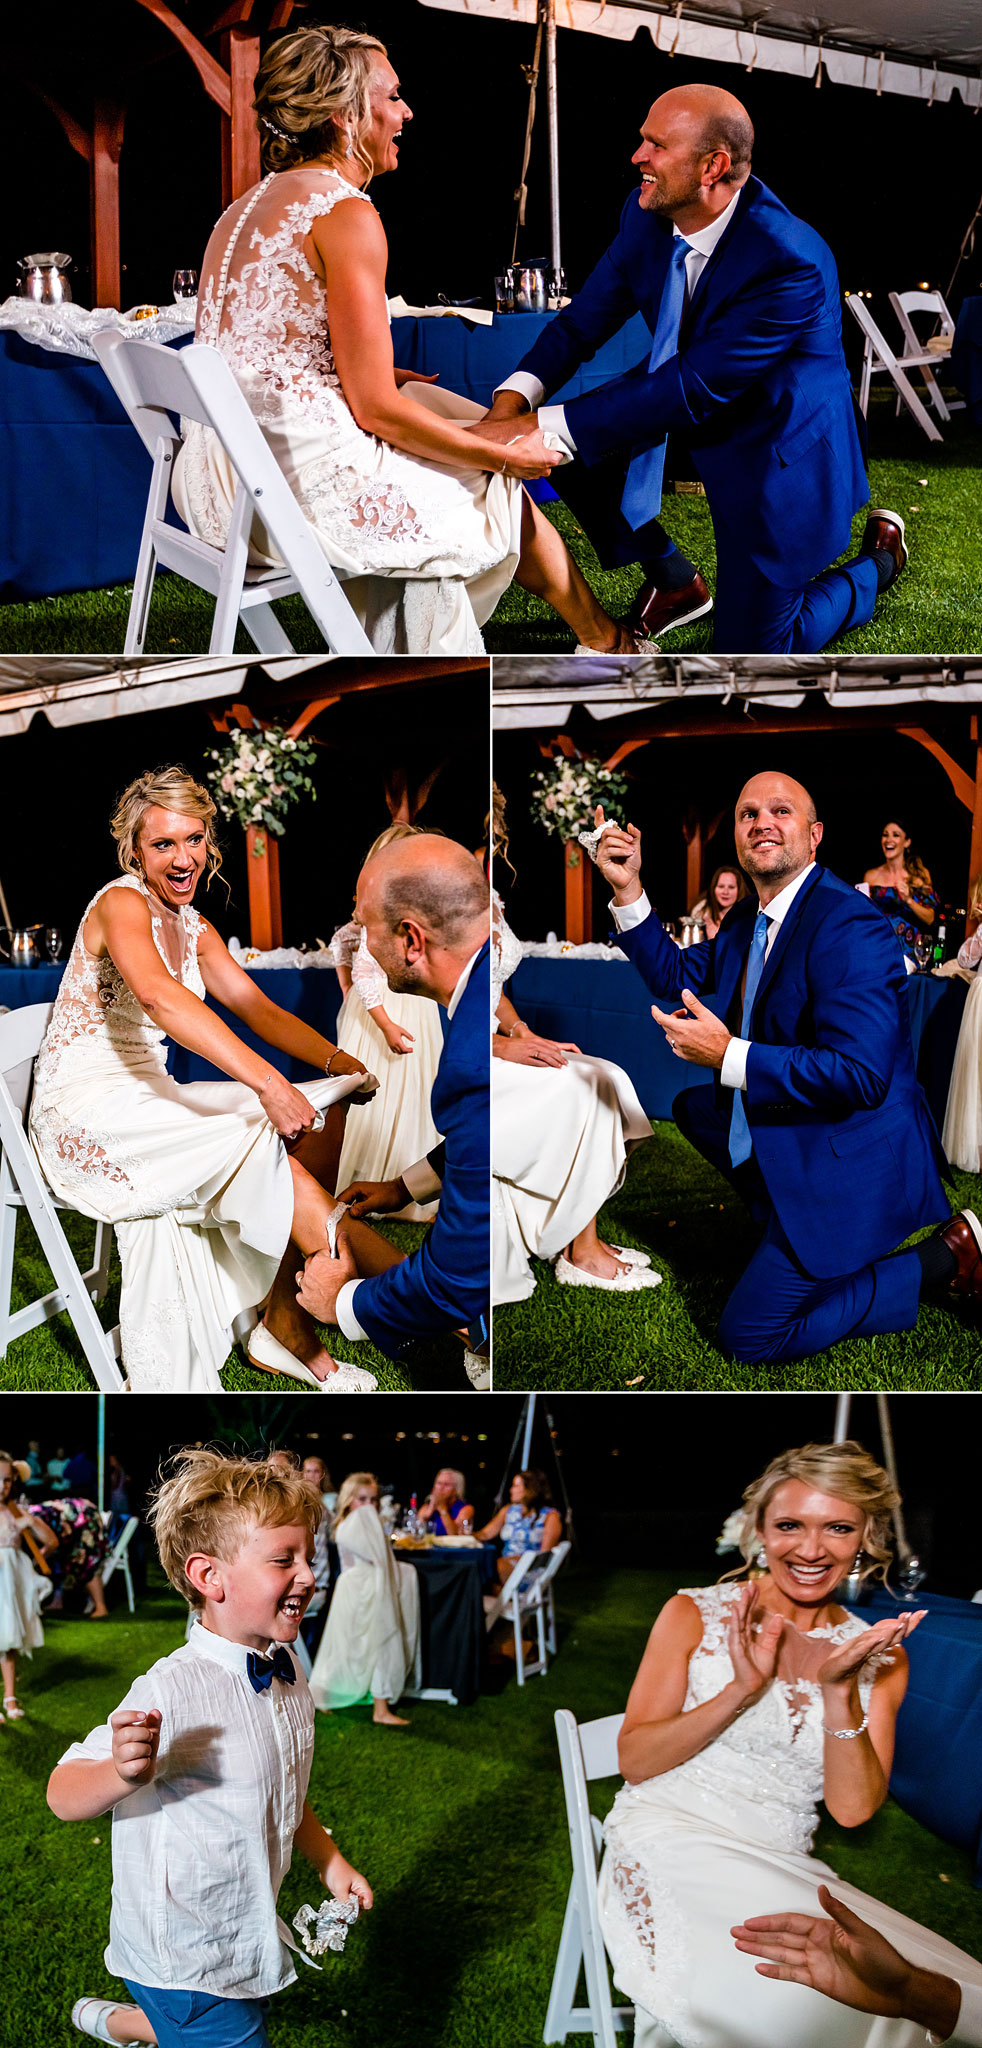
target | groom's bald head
[{"x": 425, "y": 906}]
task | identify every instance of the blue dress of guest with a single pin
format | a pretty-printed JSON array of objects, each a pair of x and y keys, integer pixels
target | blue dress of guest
[{"x": 521, "y": 1531}]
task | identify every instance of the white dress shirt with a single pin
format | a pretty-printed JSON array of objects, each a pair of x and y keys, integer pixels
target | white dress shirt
[
  {"x": 421, "y": 1182},
  {"x": 552, "y": 418},
  {"x": 968, "y": 2027},
  {"x": 733, "y": 1073},
  {"x": 200, "y": 1853}
]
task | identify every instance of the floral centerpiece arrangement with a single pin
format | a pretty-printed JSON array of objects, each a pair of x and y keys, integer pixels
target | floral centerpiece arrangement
[
  {"x": 258, "y": 774},
  {"x": 565, "y": 795}
]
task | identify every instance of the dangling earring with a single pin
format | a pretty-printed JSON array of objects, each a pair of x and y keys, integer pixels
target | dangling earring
[
  {"x": 761, "y": 1559},
  {"x": 858, "y": 1560}
]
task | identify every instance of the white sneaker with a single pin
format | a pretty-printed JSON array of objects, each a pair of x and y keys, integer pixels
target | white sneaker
[
  {"x": 630, "y": 1282},
  {"x": 478, "y": 1371},
  {"x": 89, "y": 2016}
]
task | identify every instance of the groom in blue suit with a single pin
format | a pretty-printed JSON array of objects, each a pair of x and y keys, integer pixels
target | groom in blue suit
[
  {"x": 425, "y": 906},
  {"x": 816, "y": 1115},
  {"x": 747, "y": 377}
]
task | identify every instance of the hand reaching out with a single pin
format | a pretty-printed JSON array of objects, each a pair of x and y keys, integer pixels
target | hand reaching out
[
  {"x": 850, "y": 1962},
  {"x": 847, "y": 1660},
  {"x": 694, "y": 1033},
  {"x": 618, "y": 857}
]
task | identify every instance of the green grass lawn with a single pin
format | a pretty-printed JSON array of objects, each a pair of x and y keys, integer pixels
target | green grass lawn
[
  {"x": 701, "y": 1237},
  {"x": 458, "y": 1823},
  {"x": 51, "y": 1360},
  {"x": 935, "y": 609}
]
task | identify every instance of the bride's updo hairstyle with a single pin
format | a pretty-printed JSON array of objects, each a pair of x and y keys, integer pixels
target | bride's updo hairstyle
[
  {"x": 174, "y": 790},
  {"x": 313, "y": 96},
  {"x": 845, "y": 1471}
]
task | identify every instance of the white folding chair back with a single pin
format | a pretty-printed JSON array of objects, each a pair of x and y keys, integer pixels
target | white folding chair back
[
  {"x": 153, "y": 383},
  {"x": 527, "y": 1596},
  {"x": 118, "y": 1555},
  {"x": 587, "y": 1750},
  {"x": 22, "y": 1186},
  {"x": 916, "y": 351},
  {"x": 880, "y": 359},
  {"x": 540, "y": 1595}
]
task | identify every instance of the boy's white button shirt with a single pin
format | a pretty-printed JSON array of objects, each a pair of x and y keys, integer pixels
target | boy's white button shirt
[{"x": 199, "y": 1855}]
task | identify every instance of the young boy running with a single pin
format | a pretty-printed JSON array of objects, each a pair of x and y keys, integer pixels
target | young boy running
[{"x": 205, "y": 1766}]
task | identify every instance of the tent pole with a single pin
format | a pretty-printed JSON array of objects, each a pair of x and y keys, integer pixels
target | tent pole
[
  {"x": 529, "y": 1425},
  {"x": 842, "y": 1407},
  {"x": 552, "y": 102},
  {"x": 890, "y": 1461}
]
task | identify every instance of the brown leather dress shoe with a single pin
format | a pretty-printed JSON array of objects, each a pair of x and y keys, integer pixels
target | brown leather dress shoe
[
  {"x": 884, "y": 533},
  {"x": 655, "y": 611},
  {"x": 963, "y": 1237}
]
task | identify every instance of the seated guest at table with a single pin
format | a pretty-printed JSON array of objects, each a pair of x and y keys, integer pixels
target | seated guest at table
[
  {"x": 816, "y": 1116},
  {"x": 564, "y": 1124},
  {"x": 371, "y": 1642},
  {"x": 529, "y": 1522},
  {"x": 445, "y": 1505},
  {"x": 962, "y": 1135},
  {"x": 753, "y": 1702},
  {"x": 902, "y": 887},
  {"x": 211, "y": 1186},
  {"x": 847, "y": 1960},
  {"x": 726, "y": 888},
  {"x": 397, "y": 480},
  {"x": 76, "y": 1564},
  {"x": 397, "y": 1036}
]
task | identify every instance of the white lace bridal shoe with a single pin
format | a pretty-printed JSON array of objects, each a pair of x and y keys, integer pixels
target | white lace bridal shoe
[
  {"x": 266, "y": 1352},
  {"x": 630, "y": 1282}
]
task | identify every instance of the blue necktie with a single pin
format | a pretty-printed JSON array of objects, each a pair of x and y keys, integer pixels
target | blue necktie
[
  {"x": 262, "y": 1670},
  {"x": 642, "y": 488},
  {"x": 740, "y": 1140}
]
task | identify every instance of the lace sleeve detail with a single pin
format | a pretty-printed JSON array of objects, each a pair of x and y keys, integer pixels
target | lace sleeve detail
[
  {"x": 344, "y": 944},
  {"x": 367, "y": 978},
  {"x": 506, "y": 952}
]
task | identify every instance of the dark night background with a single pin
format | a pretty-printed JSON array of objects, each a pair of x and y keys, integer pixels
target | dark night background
[
  {"x": 859, "y": 780},
  {"x": 890, "y": 182},
  {"x": 650, "y": 1480},
  {"x": 61, "y": 784}
]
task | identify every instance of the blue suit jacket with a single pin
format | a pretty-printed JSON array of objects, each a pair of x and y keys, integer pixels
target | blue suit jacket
[
  {"x": 447, "y": 1282},
  {"x": 758, "y": 389},
  {"x": 841, "y": 1131}
]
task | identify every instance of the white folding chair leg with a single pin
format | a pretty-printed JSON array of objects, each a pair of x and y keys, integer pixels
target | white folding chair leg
[
  {"x": 866, "y": 378},
  {"x": 70, "y": 1285},
  {"x": 99, "y": 1270},
  {"x": 128, "y": 1582},
  {"x": 146, "y": 564},
  {"x": 229, "y": 600},
  {"x": 519, "y": 1651},
  {"x": 265, "y": 631},
  {"x": 560, "y": 2018}
]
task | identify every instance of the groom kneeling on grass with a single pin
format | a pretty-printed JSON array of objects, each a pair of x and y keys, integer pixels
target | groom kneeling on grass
[
  {"x": 816, "y": 1115},
  {"x": 424, "y": 904}
]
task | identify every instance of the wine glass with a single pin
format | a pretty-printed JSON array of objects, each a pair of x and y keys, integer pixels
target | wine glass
[
  {"x": 185, "y": 284},
  {"x": 52, "y": 941},
  {"x": 910, "y": 1576},
  {"x": 923, "y": 950},
  {"x": 465, "y": 1525}
]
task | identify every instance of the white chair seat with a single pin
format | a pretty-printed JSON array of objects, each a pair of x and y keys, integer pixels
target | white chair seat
[{"x": 587, "y": 1750}]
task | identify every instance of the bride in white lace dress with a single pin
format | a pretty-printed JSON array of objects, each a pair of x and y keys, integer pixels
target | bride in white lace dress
[
  {"x": 409, "y": 495},
  {"x": 197, "y": 1180},
  {"x": 752, "y": 1703}
]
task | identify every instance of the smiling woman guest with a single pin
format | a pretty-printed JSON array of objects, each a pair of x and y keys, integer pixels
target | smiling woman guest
[
  {"x": 754, "y": 1701},
  {"x": 206, "y": 1183},
  {"x": 726, "y": 888},
  {"x": 902, "y": 887}
]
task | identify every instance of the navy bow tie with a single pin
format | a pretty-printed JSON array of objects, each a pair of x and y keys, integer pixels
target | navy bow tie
[{"x": 261, "y": 1671}]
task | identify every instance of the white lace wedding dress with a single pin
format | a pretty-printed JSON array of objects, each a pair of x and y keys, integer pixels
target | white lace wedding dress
[
  {"x": 371, "y": 1643},
  {"x": 395, "y": 1128},
  {"x": 726, "y": 1835},
  {"x": 560, "y": 1141},
  {"x": 962, "y": 1136},
  {"x": 193, "y": 1177},
  {"x": 450, "y": 537}
]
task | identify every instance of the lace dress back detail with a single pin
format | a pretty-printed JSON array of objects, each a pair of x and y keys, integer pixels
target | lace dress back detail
[{"x": 506, "y": 951}]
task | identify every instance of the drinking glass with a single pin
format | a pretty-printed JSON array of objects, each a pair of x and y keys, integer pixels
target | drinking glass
[
  {"x": 185, "y": 284},
  {"x": 52, "y": 941},
  {"x": 923, "y": 950},
  {"x": 910, "y": 1576},
  {"x": 504, "y": 293}
]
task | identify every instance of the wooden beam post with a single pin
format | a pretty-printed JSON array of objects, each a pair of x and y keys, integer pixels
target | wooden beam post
[
  {"x": 107, "y": 142},
  {"x": 265, "y": 913},
  {"x": 579, "y": 895},
  {"x": 692, "y": 834},
  {"x": 240, "y": 131}
]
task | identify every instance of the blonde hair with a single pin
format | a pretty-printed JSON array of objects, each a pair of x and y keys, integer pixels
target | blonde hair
[
  {"x": 975, "y": 898},
  {"x": 346, "y": 1495},
  {"x": 393, "y": 833},
  {"x": 313, "y": 96},
  {"x": 211, "y": 1501},
  {"x": 845, "y": 1471},
  {"x": 173, "y": 789},
  {"x": 496, "y": 828},
  {"x": 459, "y": 1481}
]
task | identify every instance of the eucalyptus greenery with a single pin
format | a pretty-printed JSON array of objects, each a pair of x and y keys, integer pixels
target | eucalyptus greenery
[{"x": 258, "y": 774}]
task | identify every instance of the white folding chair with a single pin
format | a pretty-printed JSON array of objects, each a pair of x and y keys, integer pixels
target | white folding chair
[
  {"x": 22, "y": 1186},
  {"x": 587, "y": 1750},
  {"x": 118, "y": 1555},
  {"x": 525, "y": 1594},
  {"x": 916, "y": 352},
  {"x": 880, "y": 359},
  {"x": 539, "y": 1596},
  {"x": 153, "y": 383}
]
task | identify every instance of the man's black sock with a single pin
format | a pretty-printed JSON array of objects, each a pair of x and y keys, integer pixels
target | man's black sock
[
  {"x": 938, "y": 1263},
  {"x": 671, "y": 571},
  {"x": 885, "y": 566}
]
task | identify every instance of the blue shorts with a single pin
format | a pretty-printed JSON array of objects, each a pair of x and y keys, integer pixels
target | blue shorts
[{"x": 197, "y": 2019}]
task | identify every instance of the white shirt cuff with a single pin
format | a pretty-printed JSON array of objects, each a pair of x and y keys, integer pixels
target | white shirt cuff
[
  {"x": 627, "y": 915},
  {"x": 528, "y": 386},
  {"x": 733, "y": 1072},
  {"x": 552, "y": 420},
  {"x": 348, "y": 1323},
  {"x": 422, "y": 1182}
]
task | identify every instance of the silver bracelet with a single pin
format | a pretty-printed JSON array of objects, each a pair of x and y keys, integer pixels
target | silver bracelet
[
  {"x": 331, "y": 1061},
  {"x": 847, "y": 1734}
]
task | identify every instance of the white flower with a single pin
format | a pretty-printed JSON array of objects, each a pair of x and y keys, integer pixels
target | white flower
[{"x": 730, "y": 1535}]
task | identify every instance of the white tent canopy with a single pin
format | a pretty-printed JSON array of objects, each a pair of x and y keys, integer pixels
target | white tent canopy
[
  {"x": 80, "y": 689},
  {"x": 542, "y": 690},
  {"x": 925, "y": 49}
]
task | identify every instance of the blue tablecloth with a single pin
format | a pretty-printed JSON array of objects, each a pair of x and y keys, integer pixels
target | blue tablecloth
[
  {"x": 966, "y": 356},
  {"x": 605, "y": 1007},
  {"x": 937, "y": 1770},
  {"x": 74, "y": 475}
]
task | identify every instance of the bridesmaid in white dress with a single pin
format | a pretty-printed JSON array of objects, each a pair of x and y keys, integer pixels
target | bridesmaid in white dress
[
  {"x": 399, "y": 1039},
  {"x": 21, "y": 1587},
  {"x": 398, "y": 480},
  {"x": 208, "y": 1183},
  {"x": 371, "y": 1643},
  {"x": 752, "y": 1703},
  {"x": 962, "y": 1136},
  {"x": 563, "y": 1124}
]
